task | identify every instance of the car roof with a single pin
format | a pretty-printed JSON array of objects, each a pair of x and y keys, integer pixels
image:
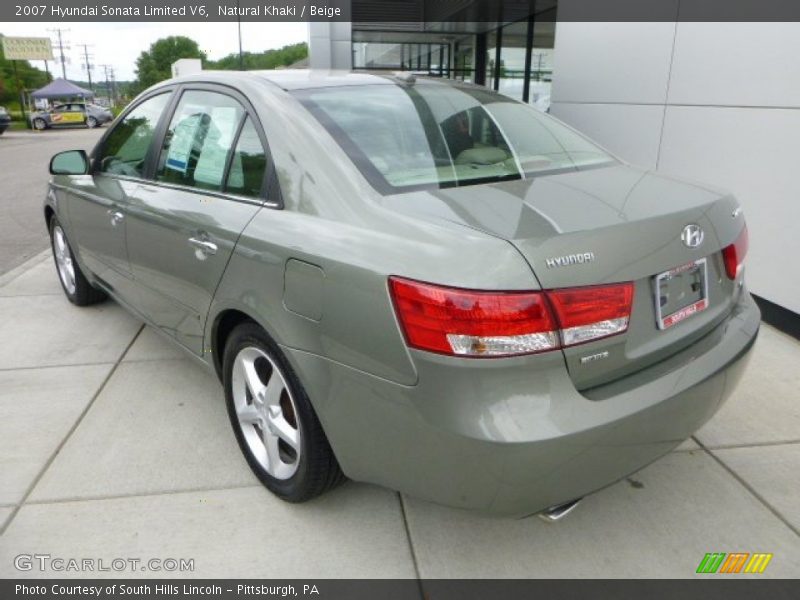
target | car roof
[{"x": 299, "y": 79}]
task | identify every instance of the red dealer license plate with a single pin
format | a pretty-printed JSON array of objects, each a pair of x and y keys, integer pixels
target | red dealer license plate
[{"x": 681, "y": 292}]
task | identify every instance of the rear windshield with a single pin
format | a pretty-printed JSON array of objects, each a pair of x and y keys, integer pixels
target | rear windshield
[{"x": 405, "y": 137}]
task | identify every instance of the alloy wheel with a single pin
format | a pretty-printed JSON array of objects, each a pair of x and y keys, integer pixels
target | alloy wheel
[
  {"x": 66, "y": 268},
  {"x": 266, "y": 412}
]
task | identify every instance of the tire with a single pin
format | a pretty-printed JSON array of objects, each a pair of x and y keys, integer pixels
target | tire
[
  {"x": 39, "y": 124},
  {"x": 91, "y": 122},
  {"x": 275, "y": 425},
  {"x": 75, "y": 285}
]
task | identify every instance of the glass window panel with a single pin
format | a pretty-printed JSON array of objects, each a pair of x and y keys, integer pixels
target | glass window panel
[
  {"x": 541, "y": 72},
  {"x": 427, "y": 135},
  {"x": 248, "y": 165},
  {"x": 125, "y": 148},
  {"x": 512, "y": 59},
  {"x": 199, "y": 139}
]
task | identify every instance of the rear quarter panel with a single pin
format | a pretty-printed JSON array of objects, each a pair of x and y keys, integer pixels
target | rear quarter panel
[{"x": 332, "y": 219}]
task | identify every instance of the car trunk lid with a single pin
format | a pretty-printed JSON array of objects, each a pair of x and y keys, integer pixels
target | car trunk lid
[{"x": 603, "y": 226}]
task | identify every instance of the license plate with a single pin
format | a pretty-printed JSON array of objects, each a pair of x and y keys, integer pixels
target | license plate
[{"x": 681, "y": 292}]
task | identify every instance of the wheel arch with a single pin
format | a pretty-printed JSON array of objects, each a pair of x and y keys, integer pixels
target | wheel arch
[
  {"x": 49, "y": 213},
  {"x": 224, "y": 323}
]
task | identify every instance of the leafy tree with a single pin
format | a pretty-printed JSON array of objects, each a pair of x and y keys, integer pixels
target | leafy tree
[
  {"x": 30, "y": 77},
  {"x": 155, "y": 64},
  {"x": 269, "y": 59}
]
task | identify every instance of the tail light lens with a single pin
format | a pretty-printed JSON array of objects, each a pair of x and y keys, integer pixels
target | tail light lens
[
  {"x": 490, "y": 324},
  {"x": 591, "y": 313},
  {"x": 733, "y": 255},
  {"x": 472, "y": 323}
]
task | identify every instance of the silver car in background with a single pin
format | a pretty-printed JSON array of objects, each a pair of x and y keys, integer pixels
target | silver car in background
[{"x": 71, "y": 114}]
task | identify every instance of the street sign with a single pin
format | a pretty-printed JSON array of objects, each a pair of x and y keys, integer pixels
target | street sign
[{"x": 27, "y": 48}]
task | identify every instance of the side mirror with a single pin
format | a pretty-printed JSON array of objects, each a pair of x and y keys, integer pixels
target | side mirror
[{"x": 71, "y": 162}]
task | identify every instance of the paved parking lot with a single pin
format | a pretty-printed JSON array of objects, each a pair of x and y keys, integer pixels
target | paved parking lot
[
  {"x": 114, "y": 445},
  {"x": 24, "y": 156}
]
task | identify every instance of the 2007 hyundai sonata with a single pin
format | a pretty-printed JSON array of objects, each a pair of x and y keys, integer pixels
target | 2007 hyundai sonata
[{"x": 412, "y": 282}]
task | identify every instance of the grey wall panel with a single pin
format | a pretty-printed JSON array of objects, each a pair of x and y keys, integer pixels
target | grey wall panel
[
  {"x": 736, "y": 64},
  {"x": 629, "y": 131},
  {"x": 755, "y": 153},
  {"x": 612, "y": 62}
]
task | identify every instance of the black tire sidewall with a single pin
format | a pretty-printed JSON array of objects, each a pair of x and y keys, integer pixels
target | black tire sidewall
[{"x": 296, "y": 488}]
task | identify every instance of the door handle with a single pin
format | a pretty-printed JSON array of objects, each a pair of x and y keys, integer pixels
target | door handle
[
  {"x": 116, "y": 216},
  {"x": 204, "y": 247}
]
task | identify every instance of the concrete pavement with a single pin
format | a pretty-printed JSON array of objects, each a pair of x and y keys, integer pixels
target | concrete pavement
[
  {"x": 114, "y": 445},
  {"x": 24, "y": 157}
]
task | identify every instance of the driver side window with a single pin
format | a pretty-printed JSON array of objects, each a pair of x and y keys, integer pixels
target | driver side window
[{"x": 126, "y": 146}]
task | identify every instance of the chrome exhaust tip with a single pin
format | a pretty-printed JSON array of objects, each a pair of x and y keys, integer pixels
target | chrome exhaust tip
[{"x": 559, "y": 511}]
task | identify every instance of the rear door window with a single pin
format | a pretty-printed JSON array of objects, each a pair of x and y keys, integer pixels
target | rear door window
[
  {"x": 199, "y": 140},
  {"x": 249, "y": 163}
]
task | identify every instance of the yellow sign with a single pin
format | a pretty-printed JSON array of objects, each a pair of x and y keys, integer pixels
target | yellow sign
[
  {"x": 27, "y": 48},
  {"x": 67, "y": 117}
]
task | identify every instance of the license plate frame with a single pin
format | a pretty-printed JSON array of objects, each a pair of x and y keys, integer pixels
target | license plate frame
[{"x": 698, "y": 269}]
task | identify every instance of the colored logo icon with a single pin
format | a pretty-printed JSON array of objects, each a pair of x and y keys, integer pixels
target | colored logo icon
[{"x": 734, "y": 562}]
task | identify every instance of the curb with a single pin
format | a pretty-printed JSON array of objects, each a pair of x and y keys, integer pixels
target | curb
[{"x": 11, "y": 275}]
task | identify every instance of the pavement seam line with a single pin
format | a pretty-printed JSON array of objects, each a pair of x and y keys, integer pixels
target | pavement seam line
[
  {"x": 2, "y": 295},
  {"x": 76, "y": 499},
  {"x": 754, "y": 445},
  {"x": 65, "y": 366},
  {"x": 748, "y": 487},
  {"x": 72, "y": 429},
  {"x": 410, "y": 544}
]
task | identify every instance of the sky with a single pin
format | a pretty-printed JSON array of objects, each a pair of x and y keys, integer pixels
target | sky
[{"x": 119, "y": 44}]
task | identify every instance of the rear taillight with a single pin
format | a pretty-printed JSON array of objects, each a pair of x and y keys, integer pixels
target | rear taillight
[
  {"x": 472, "y": 323},
  {"x": 591, "y": 313},
  {"x": 733, "y": 255},
  {"x": 490, "y": 324}
]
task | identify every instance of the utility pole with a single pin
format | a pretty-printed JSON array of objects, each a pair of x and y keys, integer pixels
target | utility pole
[
  {"x": 20, "y": 91},
  {"x": 61, "y": 47},
  {"x": 106, "y": 70},
  {"x": 113, "y": 79},
  {"x": 239, "y": 24},
  {"x": 87, "y": 65}
]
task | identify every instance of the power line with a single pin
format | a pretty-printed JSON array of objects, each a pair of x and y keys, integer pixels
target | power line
[{"x": 61, "y": 45}]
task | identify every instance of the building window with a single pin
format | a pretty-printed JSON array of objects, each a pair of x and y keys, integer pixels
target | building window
[
  {"x": 515, "y": 59},
  {"x": 422, "y": 57}
]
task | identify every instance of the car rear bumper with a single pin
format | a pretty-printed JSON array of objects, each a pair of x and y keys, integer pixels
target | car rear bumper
[{"x": 514, "y": 436}]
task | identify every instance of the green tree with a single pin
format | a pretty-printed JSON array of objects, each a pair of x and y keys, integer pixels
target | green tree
[
  {"x": 155, "y": 64},
  {"x": 269, "y": 59}
]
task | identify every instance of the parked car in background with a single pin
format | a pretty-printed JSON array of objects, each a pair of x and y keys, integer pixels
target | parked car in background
[
  {"x": 71, "y": 114},
  {"x": 412, "y": 282},
  {"x": 5, "y": 119}
]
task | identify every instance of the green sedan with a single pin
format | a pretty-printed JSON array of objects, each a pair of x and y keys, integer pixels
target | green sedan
[{"x": 412, "y": 282}]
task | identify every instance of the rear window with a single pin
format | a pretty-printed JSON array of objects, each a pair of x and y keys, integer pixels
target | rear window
[{"x": 431, "y": 135}]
